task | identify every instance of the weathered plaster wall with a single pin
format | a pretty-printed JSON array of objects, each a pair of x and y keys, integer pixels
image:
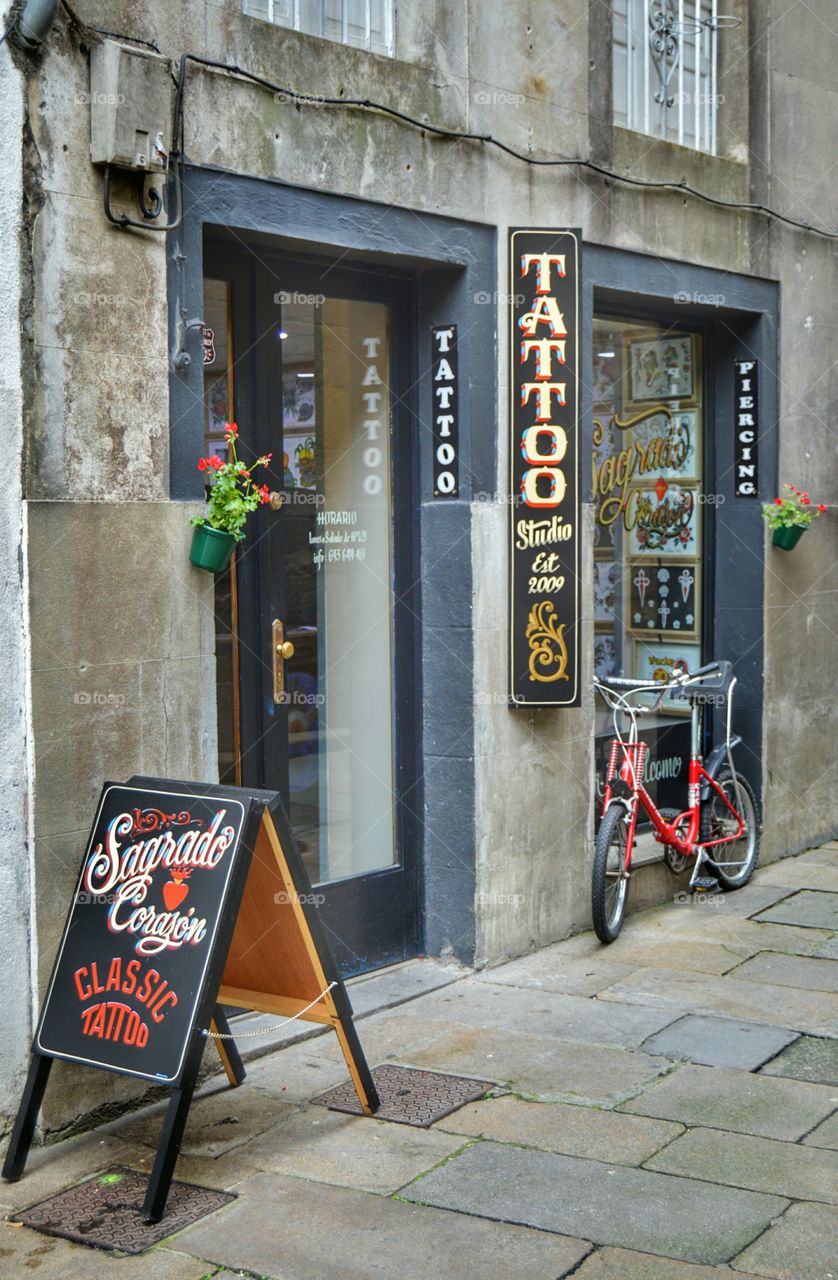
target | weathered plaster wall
[
  {"x": 15, "y": 744},
  {"x": 533, "y": 75}
]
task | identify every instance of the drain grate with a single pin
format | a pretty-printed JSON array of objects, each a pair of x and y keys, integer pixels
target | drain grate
[
  {"x": 408, "y": 1095},
  {"x": 106, "y": 1211}
]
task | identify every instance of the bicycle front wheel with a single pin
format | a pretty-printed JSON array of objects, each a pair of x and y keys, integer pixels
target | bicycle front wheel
[
  {"x": 733, "y": 863},
  {"x": 609, "y": 883}
]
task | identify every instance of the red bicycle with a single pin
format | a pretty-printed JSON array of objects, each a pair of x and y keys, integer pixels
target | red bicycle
[{"x": 719, "y": 828}]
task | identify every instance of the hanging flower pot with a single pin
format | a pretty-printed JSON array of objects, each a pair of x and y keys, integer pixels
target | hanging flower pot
[
  {"x": 789, "y": 516},
  {"x": 787, "y": 536},
  {"x": 211, "y": 548},
  {"x": 231, "y": 499}
]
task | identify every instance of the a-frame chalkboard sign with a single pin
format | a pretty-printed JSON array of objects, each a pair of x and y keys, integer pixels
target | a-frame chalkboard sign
[{"x": 190, "y": 897}]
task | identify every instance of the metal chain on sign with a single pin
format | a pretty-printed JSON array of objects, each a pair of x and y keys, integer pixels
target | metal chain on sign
[{"x": 263, "y": 1031}]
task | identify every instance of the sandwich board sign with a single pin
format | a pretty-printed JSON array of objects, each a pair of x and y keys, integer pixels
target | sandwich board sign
[{"x": 189, "y": 898}]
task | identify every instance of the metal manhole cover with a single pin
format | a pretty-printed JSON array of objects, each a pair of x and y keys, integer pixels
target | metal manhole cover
[
  {"x": 106, "y": 1211},
  {"x": 408, "y": 1095}
]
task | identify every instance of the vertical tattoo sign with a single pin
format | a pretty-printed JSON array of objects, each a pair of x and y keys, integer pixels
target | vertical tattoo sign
[
  {"x": 544, "y": 466},
  {"x": 446, "y": 414},
  {"x": 746, "y": 408}
]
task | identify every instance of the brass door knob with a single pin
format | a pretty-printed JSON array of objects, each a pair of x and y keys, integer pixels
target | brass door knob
[
  {"x": 286, "y": 649},
  {"x": 275, "y": 500}
]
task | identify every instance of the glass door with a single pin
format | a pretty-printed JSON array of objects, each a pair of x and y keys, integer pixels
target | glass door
[{"x": 325, "y": 634}]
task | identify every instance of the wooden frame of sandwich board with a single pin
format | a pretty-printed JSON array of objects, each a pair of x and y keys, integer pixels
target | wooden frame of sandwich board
[{"x": 270, "y": 954}]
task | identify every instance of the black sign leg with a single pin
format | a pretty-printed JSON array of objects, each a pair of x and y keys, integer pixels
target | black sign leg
[
  {"x": 168, "y": 1148},
  {"x": 357, "y": 1063},
  {"x": 227, "y": 1051},
  {"x": 27, "y": 1116}
]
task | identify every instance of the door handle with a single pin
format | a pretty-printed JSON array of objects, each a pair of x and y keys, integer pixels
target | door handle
[
  {"x": 282, "y": 650},
  {"x": 275, "y": 500}
]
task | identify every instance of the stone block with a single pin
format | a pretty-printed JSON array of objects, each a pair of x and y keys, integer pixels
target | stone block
[
  {"x": 801, "y": 1246},
  {"x": 720, "y": 1042},
  {"x": 283, "y": 1227},
  {"x": 676, "y": 1217},
  {"x": 758, "y": 1164},
  {"x": 735, "y": 1100},
  {"x": 804, "y": 972},
  {"x": 808, "y": 909},
  {"x": 567, "y": 1130}
]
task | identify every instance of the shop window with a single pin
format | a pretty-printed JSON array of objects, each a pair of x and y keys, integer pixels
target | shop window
[
  {"x": 364, "y": 24},
  {"x": 647, "y": 488},
  {"x": 665, "y": 69}
]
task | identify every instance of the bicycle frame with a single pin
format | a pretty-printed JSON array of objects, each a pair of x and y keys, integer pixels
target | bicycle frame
[{"x": 631, "y": 756}]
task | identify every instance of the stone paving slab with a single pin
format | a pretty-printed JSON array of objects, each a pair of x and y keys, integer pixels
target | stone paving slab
[
  {"x": 815, "y": 1012},
  {"x": 720, "y": 1042},
  {"x": 551, "y": 970},
  {"x": 807, "y": 908},
  {"x": 25, "y": 1253},
  {"x": 63, "y": 1164},
  {"x": 752, "y": 898},
  {"x": 825, "y": 1135},
  {"x": 801, "y": 1246},
  {"x": 288, "y": 1229},
  {"x": 829, "y": 948},
  {"x": 802, "y": 972},
  {"x": 392, "y": 987},
  {"x": 218, "y": 1121},
  {"x": 735, "y": 1100},
  {"x": 800, "y": 873},
  {"x": 299, "y": 1072},
  {"x": 757, "y": 1164},
  {"x": 809, "y": 1058},
  {"x": 566, "y": 1130},
  {"x": 350, "y": 1151},
  {"x": 626, "y": 1264},
  {"x": 543, "y": 1068},
  {"x": 676, "y": 1217},
  {"x": 665, "y": 939},
  {"x": 476, "y": 1003}
]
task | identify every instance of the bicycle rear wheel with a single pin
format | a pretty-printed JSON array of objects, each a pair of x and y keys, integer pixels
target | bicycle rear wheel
[
  {"x": 732, "y": 863},
  {"x": 609, "y": 884}
]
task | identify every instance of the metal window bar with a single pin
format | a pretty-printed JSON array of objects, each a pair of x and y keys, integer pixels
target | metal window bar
[
  {"x": 630, "y": 65},
  {"x": 647, "y": 55}
]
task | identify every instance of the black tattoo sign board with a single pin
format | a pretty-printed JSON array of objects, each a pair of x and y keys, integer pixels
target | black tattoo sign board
[{"x": 189, "y": 897}]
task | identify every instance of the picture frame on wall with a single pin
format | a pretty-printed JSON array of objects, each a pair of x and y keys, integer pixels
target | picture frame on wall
[
  {"x": 606, "y": 652},
  {"x": 660, "y": 367},
  {"x": 606, "y": 584},
  {"x": 664, "y": 519},
  {"x": 668, "y": 440},
  {"x": 659, "y": 659},
  {"x": 663, "y": 598}
]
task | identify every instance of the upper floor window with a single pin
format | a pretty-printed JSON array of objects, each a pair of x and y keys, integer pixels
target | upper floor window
[
  {"x": 365, "y": 24},
  {"x": 665, "y": 69}
]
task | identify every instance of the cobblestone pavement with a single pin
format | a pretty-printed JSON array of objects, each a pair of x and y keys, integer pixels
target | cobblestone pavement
[{"x": 666, "y": 1109}]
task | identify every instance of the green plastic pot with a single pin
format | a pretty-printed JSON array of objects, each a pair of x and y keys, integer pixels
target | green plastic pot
[
  {"x": 211, "y": 548},
  {"x": 788, "y": 536}
]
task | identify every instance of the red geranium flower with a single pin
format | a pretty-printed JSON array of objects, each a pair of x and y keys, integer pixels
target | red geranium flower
[
  {"x": 215, "y": 462},
  {"x": 821, "y": 507},
  {"x": 264, "y": 493},
  {"x": 778, "y": 501},
  {"x": 230, "y": 429},
  {"x": 203, "y": 463}
]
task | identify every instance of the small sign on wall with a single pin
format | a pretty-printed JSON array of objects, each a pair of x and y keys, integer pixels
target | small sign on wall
[
  {"x": 445, "y": 409},
  {"x": 746, "y": 410},
  {"x": 544, "y": 613}
]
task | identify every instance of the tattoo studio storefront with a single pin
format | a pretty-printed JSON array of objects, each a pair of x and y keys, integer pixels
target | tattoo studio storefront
[{"x": 666, "y": 387}]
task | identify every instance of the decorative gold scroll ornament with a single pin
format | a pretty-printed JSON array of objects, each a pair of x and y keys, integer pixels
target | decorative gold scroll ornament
[{"x": 547, "y": 644}]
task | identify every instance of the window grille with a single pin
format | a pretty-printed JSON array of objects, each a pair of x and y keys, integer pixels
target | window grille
[
  {"x": 364, "y": 24},
  {"x": 665, "y": 69}
]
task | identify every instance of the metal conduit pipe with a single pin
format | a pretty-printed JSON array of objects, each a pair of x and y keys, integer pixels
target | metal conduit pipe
[{"x": 35, "y": 22}]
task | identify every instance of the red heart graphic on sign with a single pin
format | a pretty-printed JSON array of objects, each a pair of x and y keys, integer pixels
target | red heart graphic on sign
[
  {"x": 661, "y": 488},
  {"x": 173, "y": 893}
]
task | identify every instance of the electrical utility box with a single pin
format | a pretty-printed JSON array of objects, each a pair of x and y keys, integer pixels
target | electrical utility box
[{"x": 130, "y": 107}]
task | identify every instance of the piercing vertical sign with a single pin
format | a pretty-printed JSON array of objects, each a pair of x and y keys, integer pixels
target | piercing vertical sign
[
  {"x": 544, "y": 466},
  {"x": 747, "y": 429}
]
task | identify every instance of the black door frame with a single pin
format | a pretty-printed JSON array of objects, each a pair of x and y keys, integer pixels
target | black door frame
[{"x": 374, "y": 919}]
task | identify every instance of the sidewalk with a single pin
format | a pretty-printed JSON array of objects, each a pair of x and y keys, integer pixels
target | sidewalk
[{"x": 667, "y": 1109}]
